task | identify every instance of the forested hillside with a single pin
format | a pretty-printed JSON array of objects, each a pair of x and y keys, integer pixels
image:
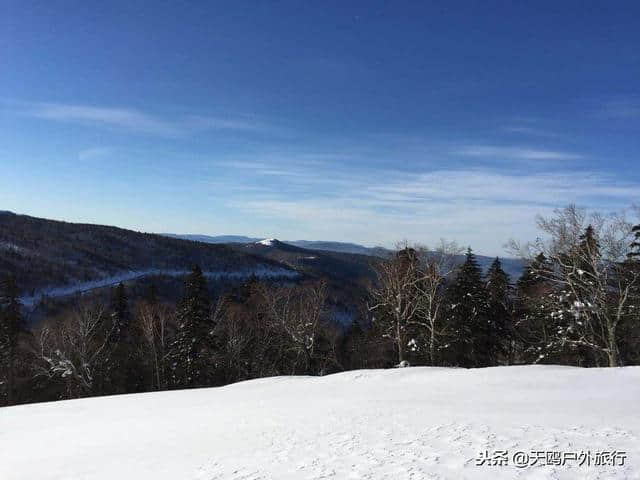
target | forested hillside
[{"x": 44, "y": 253}]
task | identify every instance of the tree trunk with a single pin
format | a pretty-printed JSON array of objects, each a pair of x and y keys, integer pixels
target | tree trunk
[
  {"x": 432, "y": 347},
  {"x": 399, "y": 341},
  {"x": 612, "y": 350}
]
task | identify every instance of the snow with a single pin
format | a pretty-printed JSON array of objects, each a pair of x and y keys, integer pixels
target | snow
[
  {"x": 81, "y": 287},
  {"x": 415, "y": 422},
  {"x": 267, "y": 241}
]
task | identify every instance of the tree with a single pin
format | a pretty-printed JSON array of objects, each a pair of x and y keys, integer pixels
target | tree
[
  {"x": 71, "y": 350},
  {"x": 11, "y": 327},
  {"x": 299, "y": 313},
  {"x": 435, "y": 267},
  {"x": 193, "y": 348},
  {"x": 634, "y": 247},
  {"x": 396, "y": 297},
  {"x": 500, "y": 312},
  {"x": 467, "y": 315},
  {"x": 154, "y": 321},
  {"x": 593, "y": 287},
  {"x": 120, "y": 370},
  {"x": 534, "y": 324}
]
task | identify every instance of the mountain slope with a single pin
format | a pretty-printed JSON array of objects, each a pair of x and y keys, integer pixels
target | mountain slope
[
  {"x": 47, "y": 253},
  {"x": 376, "y": 424}
]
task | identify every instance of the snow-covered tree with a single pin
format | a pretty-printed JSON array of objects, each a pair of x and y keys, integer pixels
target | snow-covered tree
[
  {"x": 396, "y": 297},
  {"x": 467, "y": 316},
  {"x": 72, "y": 349},
  {"x": 193, "y": 350},
  {"x": 435, "y": 266},
  {"x": 299, "y": 314},
  {"x": 593, "y": 287}
]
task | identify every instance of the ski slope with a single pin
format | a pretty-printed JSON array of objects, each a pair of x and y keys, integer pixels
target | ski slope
[{"x": 412, "y": 423}]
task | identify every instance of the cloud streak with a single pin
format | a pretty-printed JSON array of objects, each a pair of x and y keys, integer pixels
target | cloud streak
[
  {"x": 518, "y": 153},
  {"x": 483, "y": 208},
  {"x": 137, "y": 121}
]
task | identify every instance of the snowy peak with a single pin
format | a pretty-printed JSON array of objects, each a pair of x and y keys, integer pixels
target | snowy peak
[{"x": 269, "y": 242}]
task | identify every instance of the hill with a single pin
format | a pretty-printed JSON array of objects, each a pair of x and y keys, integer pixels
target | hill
[
  {"x": 375, "y": 424},
  {"x": 48, "y": 256}
]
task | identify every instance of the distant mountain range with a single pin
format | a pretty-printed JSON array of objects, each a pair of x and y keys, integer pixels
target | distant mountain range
[
  {"x": 57, "y": 258},
  {"x": 513, "y": 266},
  {"x": 329, "y": 246}
]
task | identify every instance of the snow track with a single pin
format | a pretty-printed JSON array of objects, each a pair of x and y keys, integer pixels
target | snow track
[
  {"x": 82, "y": 287},
  {"x": 413, "y": 423}
]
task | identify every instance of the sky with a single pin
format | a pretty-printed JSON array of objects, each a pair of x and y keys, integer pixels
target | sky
[{"x": 371, "y": 122}]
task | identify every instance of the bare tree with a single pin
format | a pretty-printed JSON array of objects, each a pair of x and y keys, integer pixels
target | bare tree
[
  {"x": 299, "y": 313},
  {"x": 396, "y": 296},
  {"x": 72, "y": 348},
  {"x": 154, "y": 320},
  {"x": 594, "y": 287},
  {"x": 435, "y": 267}
]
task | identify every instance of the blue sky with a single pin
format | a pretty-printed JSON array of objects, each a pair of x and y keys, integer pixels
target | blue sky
[{"x": 369, "y": 121}]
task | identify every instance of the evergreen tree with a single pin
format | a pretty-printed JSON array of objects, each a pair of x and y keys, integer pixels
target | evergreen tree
[
  {"x": 500, "y": 312},
  {"x": 11, "y": 327},
  {"x": 121, "y": 372},
  {"x": 532, "y": 277},
  {"x": 193, "y": 349},
  {"x": 467, "y": 316},
  {"x": 634, "y": 251}
]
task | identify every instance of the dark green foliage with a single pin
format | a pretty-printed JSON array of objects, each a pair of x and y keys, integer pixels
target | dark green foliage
[
  {"x": 193, "y": 351},
  {"x": 634, "y": 248},
  {"x": 11, "y": 328},
  {"x": 120, "y": 365},
  {"x": 500, "y": 313},
  {"x": 467, "y": 316}
]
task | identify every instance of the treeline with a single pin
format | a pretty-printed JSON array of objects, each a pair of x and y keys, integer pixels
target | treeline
[
  {"x": 577, "y": 303},
  {"x": 257, "y": 330}
]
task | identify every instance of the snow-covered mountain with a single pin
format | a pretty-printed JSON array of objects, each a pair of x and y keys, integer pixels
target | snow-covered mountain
[{"x": 412, "y": 423}]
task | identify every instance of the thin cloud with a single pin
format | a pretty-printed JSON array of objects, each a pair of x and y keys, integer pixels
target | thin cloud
[
  {"x": 530, "y": 131},
  {"x": 480, "y": 207},
  {"x": 94, "y": 153},
  {"x": 518, "y": 153},
  {"x": 136, "y": 121}
]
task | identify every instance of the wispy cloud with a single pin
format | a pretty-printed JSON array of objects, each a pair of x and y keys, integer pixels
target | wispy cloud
[
  {"x": 477, "y": 206},
  {"x": 627, "y": 108},
  {"x": 93, "y": 153},
  {"x": 137, "y": 121},
  {"x": 530, "y": 131},
  {"x": 518, "y": 153}
]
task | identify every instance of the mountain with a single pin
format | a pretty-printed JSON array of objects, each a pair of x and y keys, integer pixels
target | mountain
[
  {"x": 418, "y": 422},
  {"x": 45, "y": 255},
  {"x": 338, "y": 266},
  {"x": 342, "y": 247},
  {"x": 513, "y": 266},
  {"x": 210, "y": 239}
]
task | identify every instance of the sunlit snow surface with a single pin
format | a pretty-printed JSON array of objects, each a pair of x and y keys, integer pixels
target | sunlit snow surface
[{"x": 412, "y": 423}]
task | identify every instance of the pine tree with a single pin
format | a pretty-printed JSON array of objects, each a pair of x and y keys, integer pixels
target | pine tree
[
  {"x": 532, "y": 276},
  {"x": 121, "y": 372},
  {"x": 634, "y": 252},
  {"x": 193, "y": 349},
  {"x": 500, "y": 311},
  {"x": 11, "y": 327},
  {"x": 467, "y": 316}
]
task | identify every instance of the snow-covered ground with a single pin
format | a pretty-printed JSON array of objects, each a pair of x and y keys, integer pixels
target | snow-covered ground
[{"x": 413, "y": 423}]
